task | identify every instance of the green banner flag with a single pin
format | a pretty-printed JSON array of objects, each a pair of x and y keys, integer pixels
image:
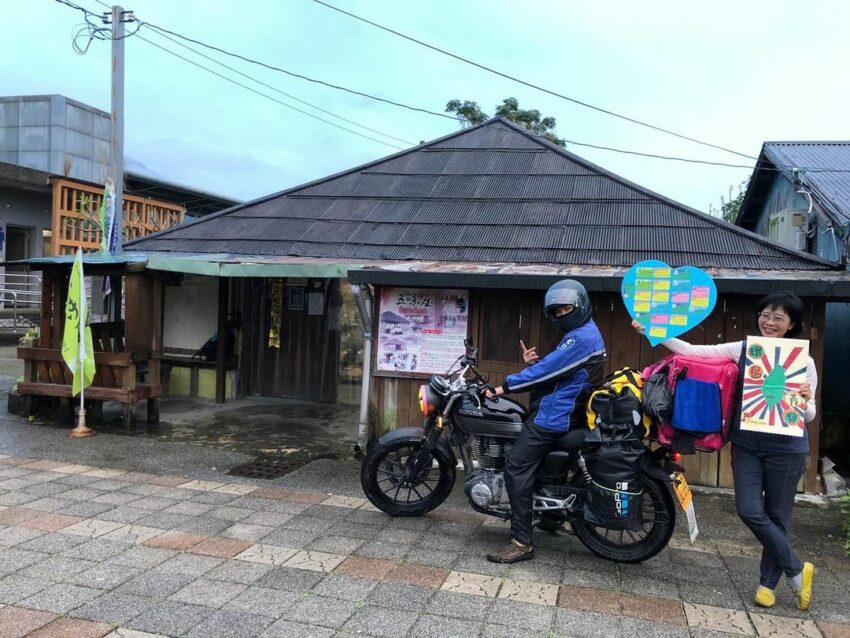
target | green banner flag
[{"x": 77, "y": 347}]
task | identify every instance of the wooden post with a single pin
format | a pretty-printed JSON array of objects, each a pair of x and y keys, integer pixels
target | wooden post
[
  {"x": 221, "y": 352},
  {"x": 56, "y": 220},
  {"x": 48, "y": 290},
  {"x": 816, "y": 350},
  {"x": 155, "y": 363},
  {"x": 60, "y": 294},
  {"x": 129, "y": 385}
]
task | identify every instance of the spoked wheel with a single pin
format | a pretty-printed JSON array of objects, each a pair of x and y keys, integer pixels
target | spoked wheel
[
  {"x": 386, "y": 480},
  {"x": 628, "y": 546}
]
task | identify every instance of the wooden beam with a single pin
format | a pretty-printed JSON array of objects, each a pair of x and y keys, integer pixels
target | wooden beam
[
  {"x": 120, "y": 359},
  {"x": 62, "y": 390},
  {"x": 221, "y": 350}
]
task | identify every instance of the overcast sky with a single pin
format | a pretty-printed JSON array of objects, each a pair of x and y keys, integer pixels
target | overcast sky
[{"x": 729, "y": 72}]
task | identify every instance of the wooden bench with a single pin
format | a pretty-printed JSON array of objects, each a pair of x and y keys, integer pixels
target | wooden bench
[{"x": 117, "y": 374}]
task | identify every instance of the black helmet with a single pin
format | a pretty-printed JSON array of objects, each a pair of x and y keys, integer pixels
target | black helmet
[{"x": 568, "y": 292}]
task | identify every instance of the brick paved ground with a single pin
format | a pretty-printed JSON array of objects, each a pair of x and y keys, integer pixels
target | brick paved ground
[{"x": 91, "y": 552}]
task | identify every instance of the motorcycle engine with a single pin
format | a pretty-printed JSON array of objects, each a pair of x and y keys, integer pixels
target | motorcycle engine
[{"x": 485, "y": 489}]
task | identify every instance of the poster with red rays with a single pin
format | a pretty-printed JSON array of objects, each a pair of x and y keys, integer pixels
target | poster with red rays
[{"x": 773, "y": 373}]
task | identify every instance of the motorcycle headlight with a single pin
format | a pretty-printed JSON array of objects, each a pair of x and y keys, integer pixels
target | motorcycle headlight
[
  {"x": 440, "y": 385},
  {"x": 429, "y": 401}
]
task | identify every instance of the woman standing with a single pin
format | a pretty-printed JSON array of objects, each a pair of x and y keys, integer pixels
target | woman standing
[{"x": 767, "y": 467}]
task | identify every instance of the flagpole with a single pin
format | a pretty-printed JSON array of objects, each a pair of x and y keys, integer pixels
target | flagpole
[{"x": 82, "y": 431}]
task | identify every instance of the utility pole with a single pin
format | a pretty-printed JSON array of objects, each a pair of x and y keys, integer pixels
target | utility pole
[{"x": 118, "y": 19}]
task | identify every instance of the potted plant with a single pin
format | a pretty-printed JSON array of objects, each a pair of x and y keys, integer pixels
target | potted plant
[
  {"x": 18, "y": 404},
  {"x": 29, "y": 338}
]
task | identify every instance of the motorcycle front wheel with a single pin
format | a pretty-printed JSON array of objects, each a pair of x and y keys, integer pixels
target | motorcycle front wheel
[
  {"x": 383, "y": 478},
  {"x": 627, "y": 546}
]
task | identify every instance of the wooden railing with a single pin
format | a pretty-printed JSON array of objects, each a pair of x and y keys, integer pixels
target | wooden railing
[{"x": 76, "y": 216}]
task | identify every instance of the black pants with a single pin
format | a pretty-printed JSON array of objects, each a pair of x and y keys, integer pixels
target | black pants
[
  {"x": 765, "y": 486},
  {"x": 521, "y": 467}
]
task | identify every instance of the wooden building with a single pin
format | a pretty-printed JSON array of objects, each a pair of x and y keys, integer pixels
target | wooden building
[{"x": 486, "y": 218}]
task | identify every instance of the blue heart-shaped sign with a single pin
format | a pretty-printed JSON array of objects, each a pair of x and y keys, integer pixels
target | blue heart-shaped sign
[{"x": 667, "y": 301}]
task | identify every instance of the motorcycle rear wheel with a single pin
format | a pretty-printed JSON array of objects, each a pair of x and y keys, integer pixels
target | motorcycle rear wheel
[
  {"x": 381, "y": 477},
  {"x": 625, "y": 546}
]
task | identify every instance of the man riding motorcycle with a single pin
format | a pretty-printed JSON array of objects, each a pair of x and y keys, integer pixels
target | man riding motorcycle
[{"x": 560, "y": 384}]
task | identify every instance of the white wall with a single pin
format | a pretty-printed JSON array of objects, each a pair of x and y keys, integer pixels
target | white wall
[{"x": 191, "y": 313}]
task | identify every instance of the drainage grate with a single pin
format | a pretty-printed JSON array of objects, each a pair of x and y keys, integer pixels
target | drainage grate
[{"x": 270, "y": 468}]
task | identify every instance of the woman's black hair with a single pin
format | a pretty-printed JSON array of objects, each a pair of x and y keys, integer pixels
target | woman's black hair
[{"x": 791, "y": 304}]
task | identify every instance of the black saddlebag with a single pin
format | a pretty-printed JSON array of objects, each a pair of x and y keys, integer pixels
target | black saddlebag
[{"x": 612, "y": 454}]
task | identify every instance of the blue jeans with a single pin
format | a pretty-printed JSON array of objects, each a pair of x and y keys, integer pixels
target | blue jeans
[{"x": 765, "y": 486}]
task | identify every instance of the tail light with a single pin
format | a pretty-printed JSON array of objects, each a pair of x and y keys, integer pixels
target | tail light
[
  {"x": 429, "y": 401},
  {"x": 676, "y": 457}
]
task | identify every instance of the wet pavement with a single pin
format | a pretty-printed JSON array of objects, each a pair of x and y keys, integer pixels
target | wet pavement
[
  {"x": 148, "y": 536},
  {"x": 254, "y": 426},
  {"x": 139, "y": 537}
]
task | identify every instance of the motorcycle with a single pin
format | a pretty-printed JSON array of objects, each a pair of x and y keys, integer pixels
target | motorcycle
[{"x": 411, "y": 471}]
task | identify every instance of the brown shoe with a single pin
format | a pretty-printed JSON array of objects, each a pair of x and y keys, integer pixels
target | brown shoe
[{"x": 513, "y": 553}]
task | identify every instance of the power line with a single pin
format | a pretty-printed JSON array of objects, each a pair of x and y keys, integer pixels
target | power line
[
  {"x": 534, "y": 86},
  {"x": 269, "y": 97},
  {"x": 298, "y": 75},
  {"x": 289, "y": 95},
  {"x": 162, "y": 32},
  {"x": 88, "y": 13},
  {"x": 776, "y": 167}
]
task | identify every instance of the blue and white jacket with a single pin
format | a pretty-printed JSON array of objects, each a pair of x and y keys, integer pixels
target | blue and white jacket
[{"x": 565, "y": 376}]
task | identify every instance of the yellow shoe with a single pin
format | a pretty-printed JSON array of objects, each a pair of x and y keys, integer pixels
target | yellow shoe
[
  {"x": 804, "y": 596},
  {"x": 765, "y": 597}
]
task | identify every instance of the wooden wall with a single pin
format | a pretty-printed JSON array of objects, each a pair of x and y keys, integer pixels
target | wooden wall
[
  {"x": 305, "y": 365},
  {"x": 499, "y": 318}
]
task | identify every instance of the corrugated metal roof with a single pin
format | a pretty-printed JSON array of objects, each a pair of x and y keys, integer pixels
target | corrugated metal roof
[
  {"x": 493, "y": 193},
  {"x": 832, "y": 187}
]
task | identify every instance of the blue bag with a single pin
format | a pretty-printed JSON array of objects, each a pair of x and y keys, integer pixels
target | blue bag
[{"x": 697, "y": 406}]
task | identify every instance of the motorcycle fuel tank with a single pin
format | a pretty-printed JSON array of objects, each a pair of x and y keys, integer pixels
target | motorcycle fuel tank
[{"x": 492, "y": 418}]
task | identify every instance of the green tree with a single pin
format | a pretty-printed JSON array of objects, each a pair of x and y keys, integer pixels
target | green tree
[
  {"x": 470, "y": 113},
  {"x": 731, "y": 207}
]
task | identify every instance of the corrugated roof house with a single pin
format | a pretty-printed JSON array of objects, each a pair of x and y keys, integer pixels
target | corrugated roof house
[
  {"x": 493, "y": 193},
  {"x": 823, "y": 168}
]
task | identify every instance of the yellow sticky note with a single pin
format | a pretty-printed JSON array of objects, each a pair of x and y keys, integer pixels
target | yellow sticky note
[
  {"x": 642, "y": 306},
  {"x": 701, "y": 302},
  {"x": 679, "y": 320},
  {"x": 662, "y": 273},
  {"x": 643, "y": 295},
  {"x": 661, "y": 296},
  {"x": 658, "y": 332},
  {"x": 661, "y": 284}
]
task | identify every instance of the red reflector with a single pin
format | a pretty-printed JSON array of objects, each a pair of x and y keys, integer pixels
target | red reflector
[{"x": 676, "y": 457}]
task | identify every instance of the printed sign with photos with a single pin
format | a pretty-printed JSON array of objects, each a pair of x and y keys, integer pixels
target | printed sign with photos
[
  {"x": 773, "y": 373},
  {"x": 421, "y": 329}
]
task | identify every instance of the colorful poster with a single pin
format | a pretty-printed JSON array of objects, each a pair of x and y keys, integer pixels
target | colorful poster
[
  {"x": 421, "y": 329},
  {"x": 773, "y": 373},
  {"x": 667, "y": 301}
]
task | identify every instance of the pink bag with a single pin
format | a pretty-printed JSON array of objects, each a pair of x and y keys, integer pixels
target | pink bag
[{"x": 720, "y": 371}]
